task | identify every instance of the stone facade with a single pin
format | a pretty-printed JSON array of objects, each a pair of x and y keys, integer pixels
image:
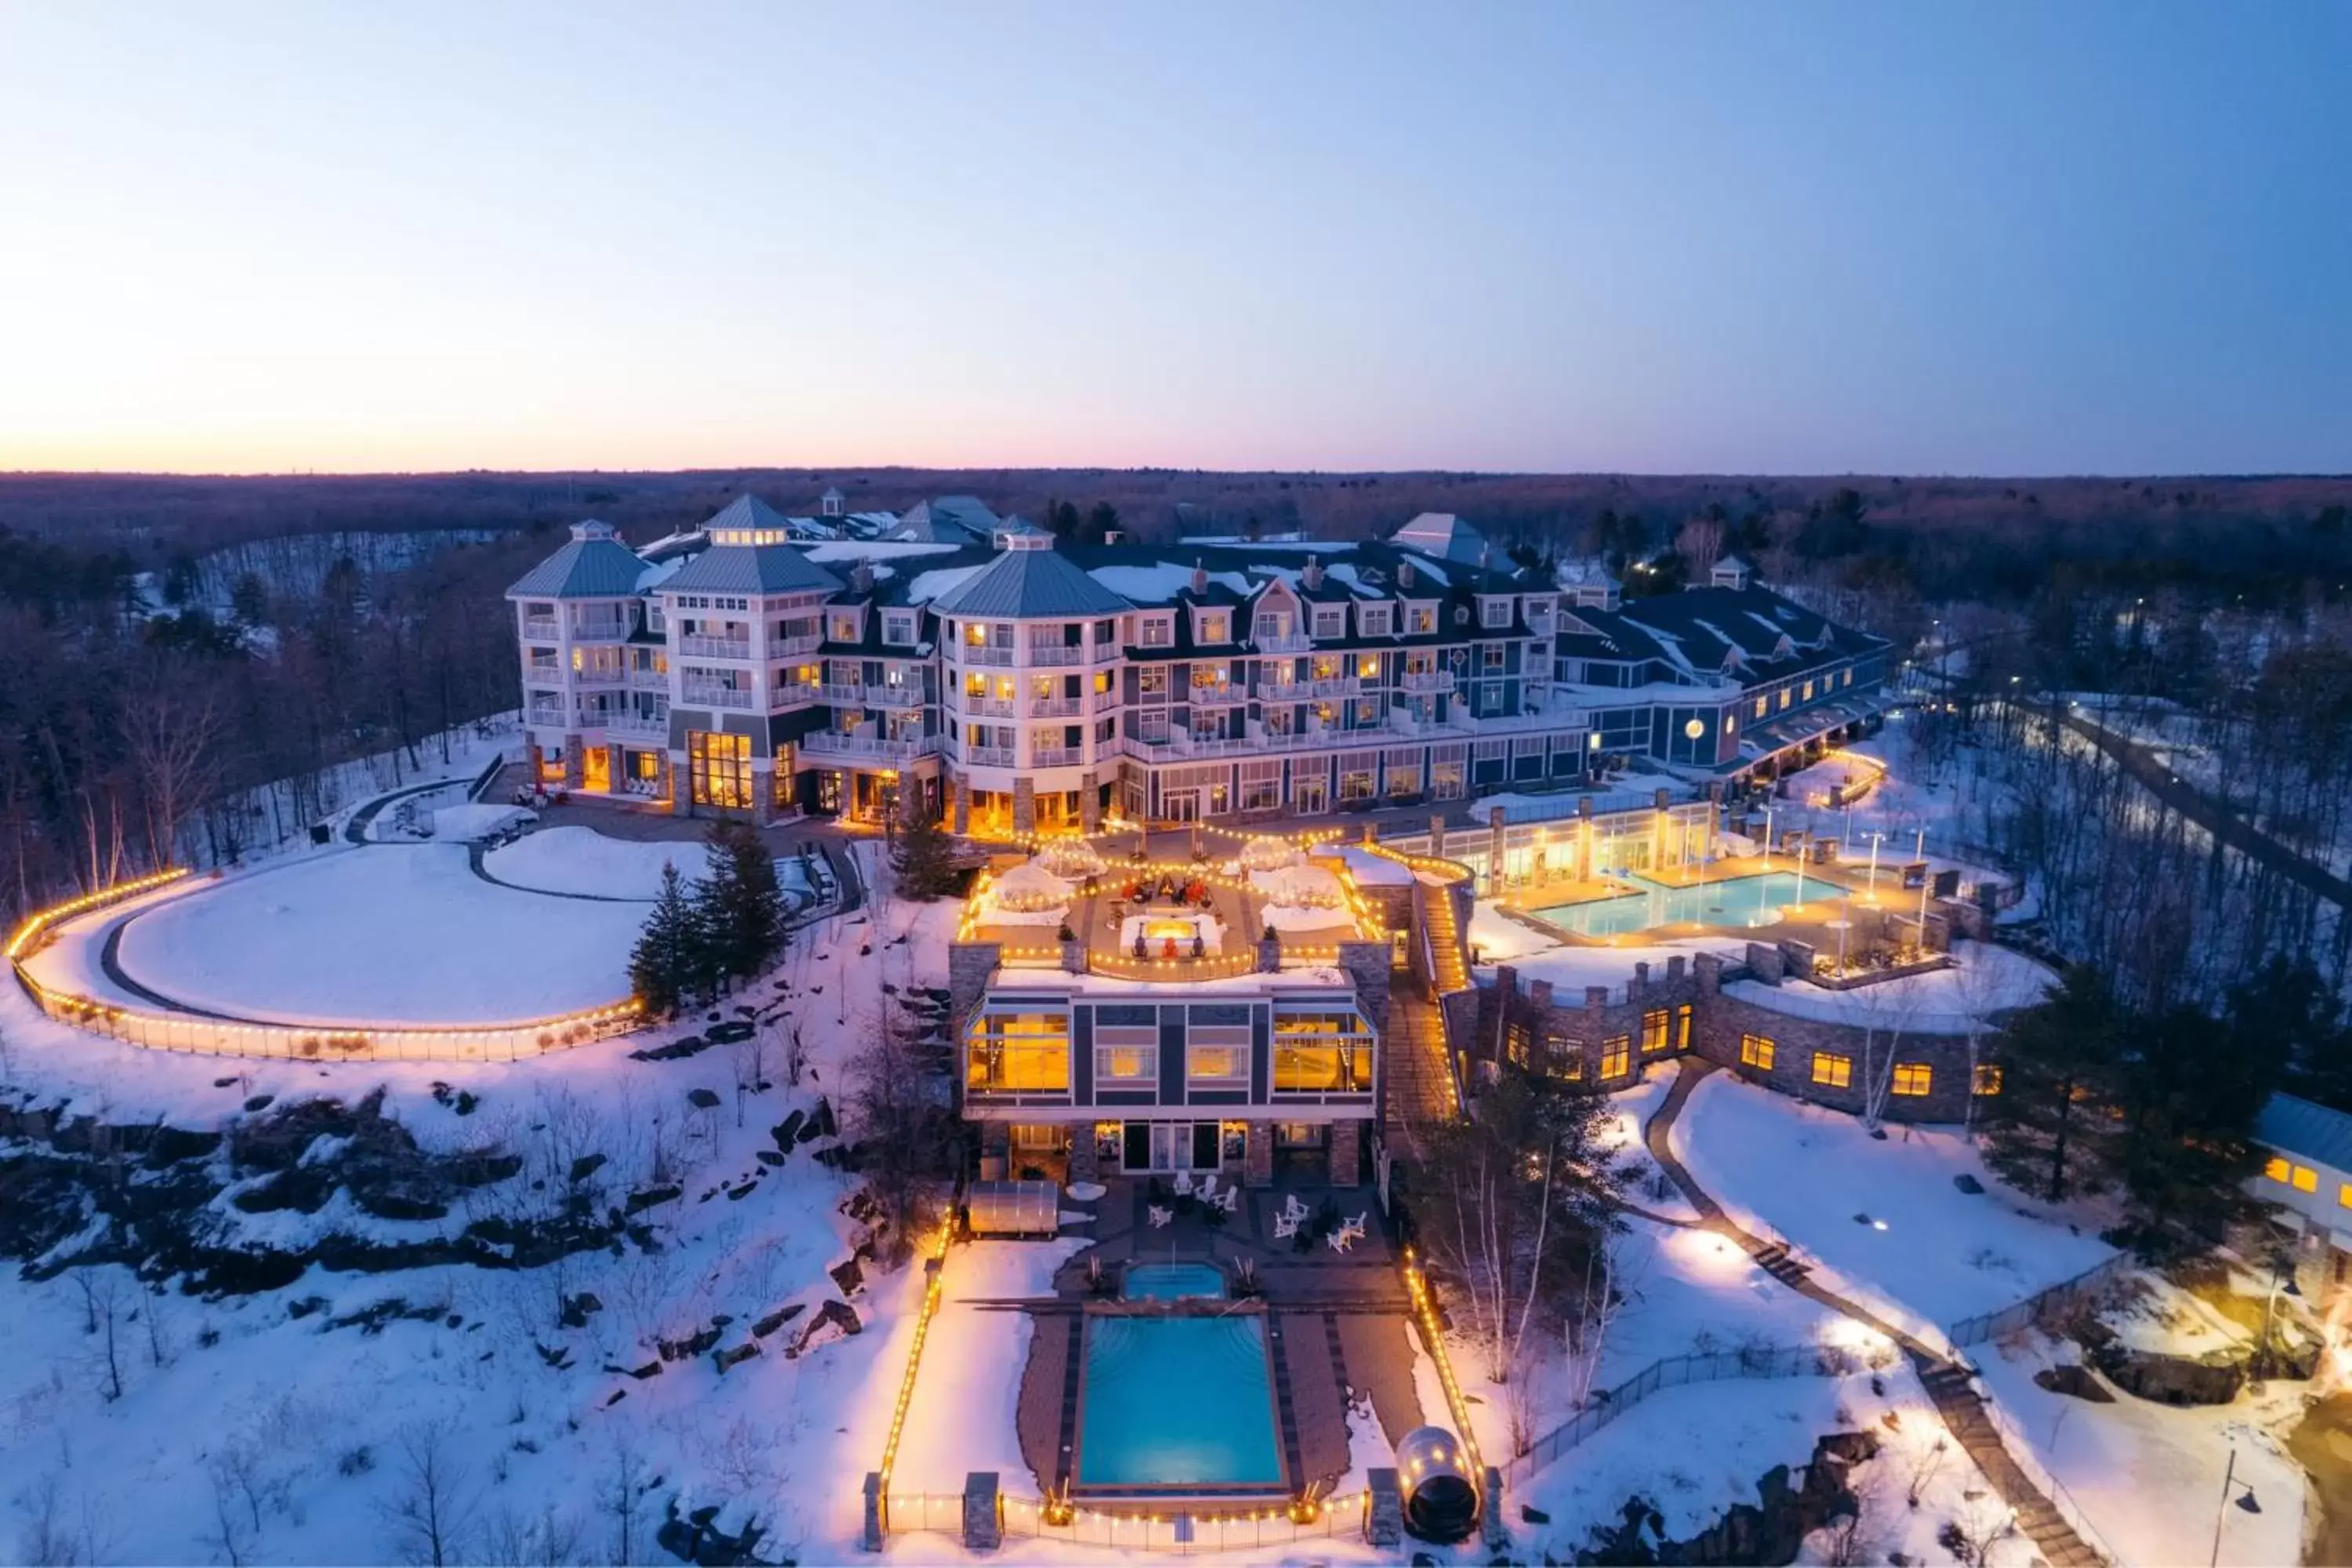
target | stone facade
[{"x": 1347, "y": 1153}]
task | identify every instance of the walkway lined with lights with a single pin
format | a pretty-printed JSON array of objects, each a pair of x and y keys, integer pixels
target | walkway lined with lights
[{"x": 1946, "y": 1380}]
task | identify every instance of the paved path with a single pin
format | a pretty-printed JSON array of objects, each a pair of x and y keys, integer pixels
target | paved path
[
  {"x": 2221, "y": 820},
  {"x": 1946, "y": 1382}
]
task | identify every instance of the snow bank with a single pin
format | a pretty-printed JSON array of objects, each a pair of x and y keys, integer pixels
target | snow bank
[
  {"x": 1986, "y": 979},
  {"x": 582, "y": 860},
  {"x": 459, "y": 824}
]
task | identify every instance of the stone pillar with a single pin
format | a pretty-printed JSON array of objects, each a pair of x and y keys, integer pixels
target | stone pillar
[
  {"x": 572, "y": 760},
  {"x": 1640, "y": 988},
  {"x": 1257, "y": 1155},
  {"x": 1765, "y": 962},
  {"x": 1706, "y": 968},
  {"x": 763, "y": 794},
  {"x": 1090, "y": 803},
  {"x": 1025, "y": 806},
  {"x": 870, "y": 1538},
  {"x": 1492, "y": 1528},
  {"x": 1539, "y": 995},
  {"x": 962, "y": 807},
  {"x": 1493, "y": 850},
  {"x": 1086, "y": 1163},
  {"x": 1074, "y": 956},
  {"x": 665, "y": 780},
  {"x": 1384, "y": 1522},
  {"x": 983, "y": 1531},
  {"x": 1675, "y": 970},
  {"x": 1269, "y": 955},
  {"x": 1437, "y": 836},
  {"x": 1347, "y": 1153}
]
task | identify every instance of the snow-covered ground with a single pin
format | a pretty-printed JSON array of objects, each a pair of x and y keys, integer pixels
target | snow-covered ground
[
  {"x": 582, "y": 860},
  {"x": 1984, "y": 979},
  {"x": 396, "y": 934},
  {"x": 2148, "y": 1477},
  {"x": 1819, "y": 1180}
]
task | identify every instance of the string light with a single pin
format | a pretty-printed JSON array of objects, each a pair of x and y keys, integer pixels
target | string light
[{"x": 931, "y": 1292}]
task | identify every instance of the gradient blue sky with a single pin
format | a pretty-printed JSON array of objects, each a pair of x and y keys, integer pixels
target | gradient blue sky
[{"x": 1913, "y": 238}]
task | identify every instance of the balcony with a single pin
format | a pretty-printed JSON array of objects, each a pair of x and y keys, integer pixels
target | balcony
[
  {"x": 697, "y": 695},
  {"x": 989, "y": 756},
  {"x": 1232, "y": 694},
  {"x": 905, "y": 695},
  {"x": 546, "y": 675},
  {"x": 1056, "y": 756},
  {"x": 543, "y": 628},
  {"x": 653, "y": 725},
  {"x": 599, "y": 674},
  {"x": 1103, "y": 701},
  {"x": 649, "y": 679},
  {"x": 793, "y": 694},
  {"x": 1309, "y": 690},
  {"x": 807, "y": 642},
  {"x": 1056, "y": 706},
  {"x": 881, "y": 748},
  {"x": 601, "y": 631},
  {"x": 1282, "y": 642},
  {"x": 969, "y": 653},
  {"x": 715, "y": 647},
  {"x": 1057, "y": 655},
  {"x": 989, "y": 707},
  {"x": 1424, "y": 681},
  {"x": 545, "y": 718},
  {"x": 849, "y": 692}
]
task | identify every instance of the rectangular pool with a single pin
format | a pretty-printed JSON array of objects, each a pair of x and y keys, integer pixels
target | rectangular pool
[
  {"x": 1739, "y": 901},
  {"x": 1173, "y": 1282},
  {"x": 1177, "y": 1402}
]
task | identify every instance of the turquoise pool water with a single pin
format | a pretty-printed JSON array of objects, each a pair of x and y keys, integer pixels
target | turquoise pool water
[
  {"x": 1739, "y": 901},
  {"x": 1177, "y": 1402},
  {"x": 1173, "y": 1281}
]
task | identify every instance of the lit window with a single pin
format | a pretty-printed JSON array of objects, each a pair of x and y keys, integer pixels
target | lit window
[
  {"x": 719, "y": 769},
  {"x": 1564, "y": 1058},
  {"x": 1683, "y": 1026},
  {"x": 1367, "y": 668},
  {"x": 1653, "y": 1031},
  {"x": 1214, "y": 628},
  {"x": 1913, "y": 1077},
  {"x": 1616, "y": 1055},
  {"x": 2306, "y": 1180},
  {"x": 1761, "y": 704},
  {"x": 2275, "y": 1170},
  {"x": 1988, "y": 1080},
  {"x": 1216, "y": 1062},
  {"x": 1833, "y": 1071},
  {"x": 975, "y": 633},
  {"x": 2344, "y": 1195},
  {"x": 1012, "y": 1053},
  {"x": 1128, "y": 1064},
  {"x": 1756, "y": 1051}
]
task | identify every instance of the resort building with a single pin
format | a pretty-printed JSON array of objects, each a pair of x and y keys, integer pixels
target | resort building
[{"x": 855, "y": 664}]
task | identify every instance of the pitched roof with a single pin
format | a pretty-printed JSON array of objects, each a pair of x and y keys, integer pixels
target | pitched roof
[
  {"x": 748, "y": 511},
  {"x": 945, "y": 519},
  {"x": 1442, "y": 532},
  {"x": 596, "y": 566},
  {"x": 2292, "y": 1125},
  {"x": 1029, "y": 582},
  {"x": 750, "y": 569}
]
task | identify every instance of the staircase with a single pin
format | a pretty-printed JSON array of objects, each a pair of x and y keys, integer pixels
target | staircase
[
  {"x": 1420, "y": 1084},
  {"x": 1445, "y": 948},
  {"x": 1963, "y": 1411},
  {"x": 1774, "y": 1259}
]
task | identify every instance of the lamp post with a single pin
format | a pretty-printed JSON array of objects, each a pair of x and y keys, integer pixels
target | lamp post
[
  {"x": 2230, "y": 1485},
  {"x": 2281, "y": 1283}
]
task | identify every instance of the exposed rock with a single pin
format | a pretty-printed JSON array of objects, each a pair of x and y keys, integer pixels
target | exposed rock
[
  {"x": 762, "y": 1327},
  {"x": 847, "y": 1276},
  {"x": 694, "y": 1344},
  {"x": 702, "y": 1099},
  {"x": 736, "y": 1356},
  {"x": 2076, "y": 1381},
  {"x": 1769, "y": 1532},
  {"x": 834, "y": 1320}
]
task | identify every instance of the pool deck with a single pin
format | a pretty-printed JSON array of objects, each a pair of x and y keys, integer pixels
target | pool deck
[
  {"x": 1337, "y": 1325},
  {"x": 1827, "y": 889}
]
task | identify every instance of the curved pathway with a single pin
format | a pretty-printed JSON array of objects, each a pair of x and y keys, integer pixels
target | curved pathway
[{"x": 1945, "y": 1381}]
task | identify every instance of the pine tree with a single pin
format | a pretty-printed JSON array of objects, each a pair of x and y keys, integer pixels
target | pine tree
[
  {"x": 670, "y": 964},
  {"x": 739, "y": 901},
  {"x": 922, "y": 858},
  {"x": 2052, "y": 1129},
  {"x": 2192, "y": 1091}
]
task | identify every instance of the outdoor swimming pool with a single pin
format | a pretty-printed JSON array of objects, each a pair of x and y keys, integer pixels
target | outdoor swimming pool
[
  {"x": 1177, "y": 1402},
  {"x": 1739, "y": 901},
  {"x": 1173, "y": 1281}
]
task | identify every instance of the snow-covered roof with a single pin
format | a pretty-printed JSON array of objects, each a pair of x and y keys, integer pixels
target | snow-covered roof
[{"x": 2293, "y": 1125}]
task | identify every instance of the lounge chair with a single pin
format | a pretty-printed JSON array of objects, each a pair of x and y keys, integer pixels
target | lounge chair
[
  {"x": 1184, "y": 1184},
  {"x": 1285, "y": 1227}
]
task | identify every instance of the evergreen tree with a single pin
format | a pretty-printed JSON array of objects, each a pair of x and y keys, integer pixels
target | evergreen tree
[
  {"x": 2050, "y": 1130},
  {"x": 670, "y": 964},
  {"x": 1100, "y": 520},
  {"x": 2192, "y": 1090},
  {"x": 739, "y": 901},
  {"x": 921, "y": 856}
]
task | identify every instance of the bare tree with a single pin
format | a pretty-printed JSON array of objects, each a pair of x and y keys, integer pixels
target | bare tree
[
  {"x": 620, "y": 1498},
  {"x": 232, "y": 1537},
  {"x": 900, "y": 1125},
  {"x": 101, "y": 1305},
  {"x": 431, "y": 1507},
  {"x": 170, "y": 730}
]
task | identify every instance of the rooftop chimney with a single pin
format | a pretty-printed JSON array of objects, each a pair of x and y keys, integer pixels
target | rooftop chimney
[
  {"x": 1312, "y": 576},
  {"x": 1200, "y": 577},
  {"x": 861, "y": 576},
  {"x": 1404, "y": 575}
]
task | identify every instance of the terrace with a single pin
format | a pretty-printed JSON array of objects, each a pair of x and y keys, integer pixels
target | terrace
[{"x": 1158, "y": 908}]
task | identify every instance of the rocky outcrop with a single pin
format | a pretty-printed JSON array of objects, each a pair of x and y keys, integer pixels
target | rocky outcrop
[{"x": 1768, "y": 1532}]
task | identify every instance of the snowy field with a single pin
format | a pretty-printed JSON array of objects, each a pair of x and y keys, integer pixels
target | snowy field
[
  {"x": 582, "y": 860},
  {"x": 1805, "y": 1173},
  {"x": 402, "y": 934},
  {"x": 253, "y": 1428}
]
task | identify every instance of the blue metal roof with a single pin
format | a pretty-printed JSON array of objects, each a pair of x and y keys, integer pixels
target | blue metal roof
[
  {"x": 2292, "y": 1125},
  {"x": 1023, "y": 583},
  {"x": 750, "y": 569},
  {"x": 597, "y": 567}
]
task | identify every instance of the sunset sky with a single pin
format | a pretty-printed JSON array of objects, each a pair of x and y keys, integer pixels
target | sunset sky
[{"x": 1914, "y": 238}]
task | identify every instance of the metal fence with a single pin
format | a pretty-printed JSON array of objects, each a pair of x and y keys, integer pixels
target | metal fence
[
  {"x": 1677, "y": 1372},
  {"x": 1986, "y": 1326}
]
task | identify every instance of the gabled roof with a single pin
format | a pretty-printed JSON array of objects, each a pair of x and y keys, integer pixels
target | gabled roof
[
  {"x": 750, "y": 569},
  {"x": 945, "y": 519},
  {"x": 1021, "y": 583},
  {"x": 593, "y": 565},
  {"x": 2292, "y": 1125}
]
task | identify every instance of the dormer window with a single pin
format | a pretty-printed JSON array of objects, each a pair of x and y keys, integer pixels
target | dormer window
[
  {"x": 1421, "y": 619},
  {"x": 842, "y": 626},
  {"x": 1213, "y": 625},
  {"x": 1494, "y": 612},
  {"x": 1330, "y": 621},
  {"x": 1372, "y": 620},
  {"x": 899, "y": 630},
  {"x": 1155, "y": 631}
]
